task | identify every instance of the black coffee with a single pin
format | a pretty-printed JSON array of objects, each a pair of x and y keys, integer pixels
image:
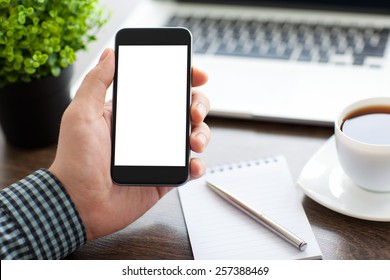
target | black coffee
[{"x": 369, "y": 125}]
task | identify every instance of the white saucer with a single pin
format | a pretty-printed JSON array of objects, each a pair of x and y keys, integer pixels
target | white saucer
[{"x": 323, "y": 180}]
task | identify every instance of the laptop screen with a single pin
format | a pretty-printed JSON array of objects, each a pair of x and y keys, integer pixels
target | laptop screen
[{"x": 379, "y": 6}]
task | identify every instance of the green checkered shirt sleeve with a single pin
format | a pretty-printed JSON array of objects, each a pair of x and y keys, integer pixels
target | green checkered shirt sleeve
[{"x": 38, "y": 220}]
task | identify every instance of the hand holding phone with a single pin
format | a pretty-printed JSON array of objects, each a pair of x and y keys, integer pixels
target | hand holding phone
[{"x": 151, "y": 101}]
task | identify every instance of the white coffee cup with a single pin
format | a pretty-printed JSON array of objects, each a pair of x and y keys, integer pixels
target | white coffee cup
[{"x": 367, "y": 165}]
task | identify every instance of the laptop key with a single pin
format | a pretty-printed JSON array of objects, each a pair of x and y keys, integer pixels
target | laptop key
[
  {"x": 305, "y": 55},
  {"x": 358, "y": 60},
  {"x": 271, "y": 53},
  {"x": 323, "y": 59},
  {"x": 369, "y": 50}
]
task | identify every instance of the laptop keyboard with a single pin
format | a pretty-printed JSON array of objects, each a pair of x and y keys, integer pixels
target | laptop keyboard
[{"x": 341, "y": 45}]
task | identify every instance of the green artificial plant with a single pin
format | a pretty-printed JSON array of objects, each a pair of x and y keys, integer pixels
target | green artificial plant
[{"x": 38, "y": 38}]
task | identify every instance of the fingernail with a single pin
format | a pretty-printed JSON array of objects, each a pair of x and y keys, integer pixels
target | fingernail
[
  {"x": 202, "y": 109},
  {"x": 104, "y": 55},
  {"x": 202, "y": 138}
]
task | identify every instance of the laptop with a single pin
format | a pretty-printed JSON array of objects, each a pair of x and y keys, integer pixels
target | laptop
[{"x": 298, "y": 61}]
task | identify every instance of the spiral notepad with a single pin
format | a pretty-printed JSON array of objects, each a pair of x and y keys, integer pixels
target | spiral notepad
[{"x": 217, "y": 230}]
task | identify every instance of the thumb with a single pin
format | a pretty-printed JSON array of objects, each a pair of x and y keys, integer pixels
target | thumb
[{"x": 94, "y": 87}]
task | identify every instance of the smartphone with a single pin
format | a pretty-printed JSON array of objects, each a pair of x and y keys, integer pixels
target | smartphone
[{"x": 151, "y": 106}]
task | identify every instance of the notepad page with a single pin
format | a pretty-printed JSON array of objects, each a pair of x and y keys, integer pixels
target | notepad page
[{"x": 218, "y": 230}]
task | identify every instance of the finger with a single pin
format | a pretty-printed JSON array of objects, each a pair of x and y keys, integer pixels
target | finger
[
  {"x": 198, "y": 77},
  {"x": 95, "y": 84},
  {"x": 200, "y": 137},
  {"x": 200, "y": 106},
  {"x": 197, "y": 168}
]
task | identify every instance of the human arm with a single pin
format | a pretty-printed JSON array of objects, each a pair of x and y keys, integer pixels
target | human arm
[{"x": 38, "y": 220}]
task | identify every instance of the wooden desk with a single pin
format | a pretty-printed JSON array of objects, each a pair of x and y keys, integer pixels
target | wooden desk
[{"x": 161, "y": 233}]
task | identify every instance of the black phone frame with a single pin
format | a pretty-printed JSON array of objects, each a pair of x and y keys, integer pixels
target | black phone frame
[{"x": 152, "y": 175}]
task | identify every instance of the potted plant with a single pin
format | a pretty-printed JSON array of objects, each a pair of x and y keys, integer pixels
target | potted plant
[{"x": 38, "y": 44}]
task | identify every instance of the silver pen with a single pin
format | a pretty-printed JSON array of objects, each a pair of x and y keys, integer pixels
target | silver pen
[{"x": 262, "y": 219}]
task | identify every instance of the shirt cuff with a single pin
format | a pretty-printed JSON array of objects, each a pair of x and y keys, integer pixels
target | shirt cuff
[{"x": 45, "y": 215}]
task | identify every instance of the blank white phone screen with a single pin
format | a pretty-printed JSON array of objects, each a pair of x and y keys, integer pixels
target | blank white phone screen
[{"x": 151, "y": 106}]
